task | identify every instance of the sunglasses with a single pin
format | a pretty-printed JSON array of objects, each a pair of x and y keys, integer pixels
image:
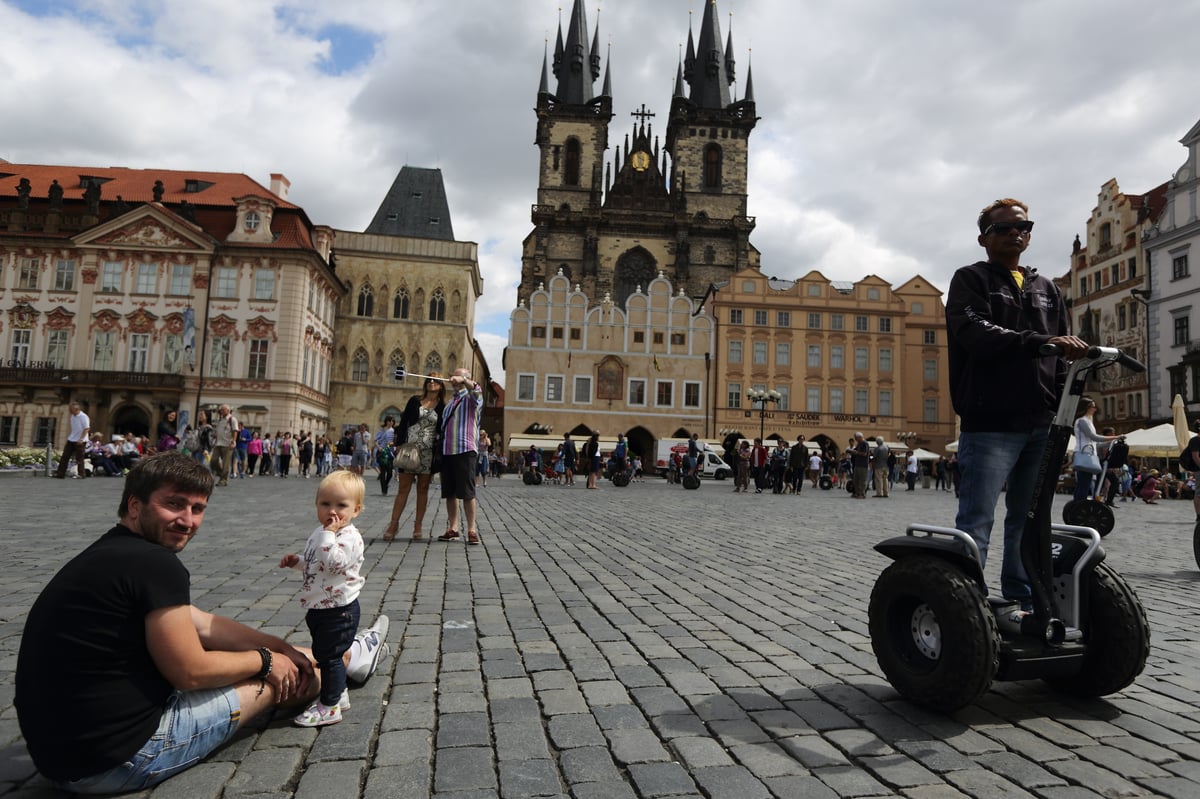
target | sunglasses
[{"x": 1002, "y": 228}]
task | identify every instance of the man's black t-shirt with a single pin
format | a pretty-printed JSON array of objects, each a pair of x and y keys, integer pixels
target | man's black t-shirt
[{"x": 88, "y": 694}]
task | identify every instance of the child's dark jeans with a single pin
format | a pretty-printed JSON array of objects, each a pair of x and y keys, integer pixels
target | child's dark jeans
[{"x": 333, "y": 631}]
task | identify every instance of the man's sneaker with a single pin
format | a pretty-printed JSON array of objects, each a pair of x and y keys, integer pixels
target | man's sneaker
[
  {"x": 374, "y": 646},
  {"x": 318, "y": 715}
]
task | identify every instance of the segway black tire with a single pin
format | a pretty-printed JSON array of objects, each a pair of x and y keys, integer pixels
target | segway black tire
[
  {"x": 691, "y": 482},
  {"x": 528, "y": 478},
  {"x": 1196, "y": 543},
  {"x": 1117, "y": 636},
  {"x": 1089, "y": 513},
  {"x": 826, "y": 482},
  {"x": 933, "y": 634},
  {"x": 620, "y": 479}
]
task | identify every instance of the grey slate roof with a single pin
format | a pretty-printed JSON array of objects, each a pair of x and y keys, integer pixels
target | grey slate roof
[{"x": 415, "y": 206}]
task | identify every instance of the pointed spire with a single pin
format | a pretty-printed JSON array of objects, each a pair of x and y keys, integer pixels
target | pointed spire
[
  {"x": 689, "y": 60},
  {"x": 595, "y": 56},
  {"x": 558, "y": 47},
  {"x": 576, "y": 70},
  {"x": 749, "y": 95},
  {"x": 709, "y": 76},
  {"x": 679, "y": 83},
  {"x": 729, "y": 70},
  {"x": 544, "y": 86},
  {"x": 606, "y": 90}
]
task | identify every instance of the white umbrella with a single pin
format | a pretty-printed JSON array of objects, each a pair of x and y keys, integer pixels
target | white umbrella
[
  {"x": 1154, "y": 442},
  {"x": 1179, "y": 413}
]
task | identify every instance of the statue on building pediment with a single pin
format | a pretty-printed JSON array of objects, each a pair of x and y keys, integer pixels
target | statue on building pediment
[
  {"x": 56, "y": 196},
  {"x": 148, "y": 233},
  {"x": 91, "y": 195},
  {"x": 159, "y": 189},
  {"x": 23, "y": 191}
]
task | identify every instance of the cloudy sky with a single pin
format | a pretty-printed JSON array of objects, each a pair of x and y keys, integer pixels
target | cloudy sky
[{"x": 885, "y": 125}]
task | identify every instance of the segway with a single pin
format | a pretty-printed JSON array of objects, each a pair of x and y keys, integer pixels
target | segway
[
  {"x": 826, "y": 482},
  {"x": 620, "y": 479},
  {"x": 1092, "y": 511},
  {"x": 941, "y": 641},
  {"x": 532, "y": 477},
  {"x": 691, "y": 482}
]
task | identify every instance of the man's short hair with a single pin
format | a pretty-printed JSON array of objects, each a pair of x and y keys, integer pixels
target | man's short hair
[
  {"x": 985, "y": 215},
  {"x": 181, "y": 472}
]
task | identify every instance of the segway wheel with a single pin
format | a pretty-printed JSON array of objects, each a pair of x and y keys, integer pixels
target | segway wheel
[
  {"x": 620, "y": 479},
  {"x": 1117, "y": 636},
  {"x": 1089, "y": 513},
  {"x": 933, "y": 633},
  {"x": 826, "y": 482},
  {"x": 691, "y": 482},
  {"x": 529, "y": 478},
  {"x": 850, "y": 486}
]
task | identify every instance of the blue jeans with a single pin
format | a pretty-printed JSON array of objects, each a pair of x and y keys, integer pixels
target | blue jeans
[
  {"x": 333, "y": 631},
  {"x": 193, "y": 724},
  {"x": 986, "y": 461},
  {"x": 1083, "y": 484}
]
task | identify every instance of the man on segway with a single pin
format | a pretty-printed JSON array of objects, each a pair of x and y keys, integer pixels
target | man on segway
[{"x": 998, "y": 314}]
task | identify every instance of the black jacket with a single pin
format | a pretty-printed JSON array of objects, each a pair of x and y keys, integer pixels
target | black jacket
[
  {"x": 412, "y": 415},
  {"x": 998, "y": 382}
]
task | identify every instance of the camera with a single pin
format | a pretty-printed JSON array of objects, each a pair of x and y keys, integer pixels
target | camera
[{"x": 399, "y": 374}]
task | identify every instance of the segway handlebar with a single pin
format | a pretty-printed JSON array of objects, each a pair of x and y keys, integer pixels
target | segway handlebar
[{"x": 1110, "y": 354}]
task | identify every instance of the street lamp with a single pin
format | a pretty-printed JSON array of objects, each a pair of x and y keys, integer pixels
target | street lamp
[{"x": 762, "y": 398}]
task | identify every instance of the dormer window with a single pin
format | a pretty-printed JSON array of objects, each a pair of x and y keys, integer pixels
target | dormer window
[{"x": 252, "y": 220}]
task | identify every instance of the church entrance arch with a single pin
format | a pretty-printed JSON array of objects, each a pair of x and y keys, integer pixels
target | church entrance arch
[{"x": 636, "y": 267}]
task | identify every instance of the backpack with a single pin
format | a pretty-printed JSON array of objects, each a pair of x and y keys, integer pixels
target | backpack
[{"x": 191, "y": 441}]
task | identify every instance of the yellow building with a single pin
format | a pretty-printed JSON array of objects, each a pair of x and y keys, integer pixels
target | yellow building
[{"x": 843, "y": 357}]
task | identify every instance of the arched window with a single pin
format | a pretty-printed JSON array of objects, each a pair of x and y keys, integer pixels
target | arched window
[
  {"x": 712, "y": 167},
  {"x": 710, "y": 255},
  {"x": 395, "y": 361},
  {"x": 433, "y": 363},
  {"x": 571, "y": 167},
  {"x": 634, "y": 268},
  {"x": 400, "y": 304},
  {"x": 366, "y": 300},
  {"x": 360, "y": 366},
  {"x": 437, "y": 306}
]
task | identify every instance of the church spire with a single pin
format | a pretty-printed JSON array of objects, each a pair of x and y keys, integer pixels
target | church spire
[
  {"x": 577, "y": 68},
  {"x": 544, "y": 85},
  {"x": 711, "y": 71},
  {"x": 748, "y": 96},
  {"x": 606, "y": 91}
]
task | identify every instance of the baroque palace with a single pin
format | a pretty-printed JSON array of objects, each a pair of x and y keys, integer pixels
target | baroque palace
[
  {"x": 643, "y": 309},
  {"x": 137, "y": 292}
]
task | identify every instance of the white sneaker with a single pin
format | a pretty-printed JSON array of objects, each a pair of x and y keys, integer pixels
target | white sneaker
[
  {"x": 344, "y": 700},
  {"x": 374, "y": 646},
  {"x": 317, "y": 715}
]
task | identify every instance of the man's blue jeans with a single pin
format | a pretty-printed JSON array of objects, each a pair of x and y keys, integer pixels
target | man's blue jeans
[{"x": 986, "y": 461}]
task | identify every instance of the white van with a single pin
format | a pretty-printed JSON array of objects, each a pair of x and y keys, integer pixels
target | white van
[{"x": 711, "y": 464}]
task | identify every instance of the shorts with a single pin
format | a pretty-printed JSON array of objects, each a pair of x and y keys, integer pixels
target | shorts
[
  {"x": 359, "y": 460},
  {"x": 344, "y": 461},
  {"x": 193, "y": 725},
  {"x": 458, "y": 476}
]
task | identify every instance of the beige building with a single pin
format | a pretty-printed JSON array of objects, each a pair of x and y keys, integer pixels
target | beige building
[
  {"x": 576, "y": 366},
  {"x": 843, "y": 357},
  {"x": 141, "y": 291}
]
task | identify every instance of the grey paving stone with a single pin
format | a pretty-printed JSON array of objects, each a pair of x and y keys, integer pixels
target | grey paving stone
[
  {"x": 765, "y": 760},
  {"x": 327, "y": 779},
  {"x": 462, "y": 729},
  {"x": 530, "y": 778},
  {"x": 588, "y": 764},
  {"x": 611, "y": 789},
  {"x": 620, "y": 717},
  {"x": 729, "y": 782},
  {"x": 265, "y": 771},
  {"x": 661, "y": 779},
  {"x": 700, "y": 752},
  {"x": 799, "y": 787},
  {"x": 464, "y": 770},
  {"x": 520, "y": 740},
  {"x": 574, "y": 730},
  {"x": 635, "y": 746},
  {"x": 404, "y": 746},
  {"x": 813, "y": 751}
]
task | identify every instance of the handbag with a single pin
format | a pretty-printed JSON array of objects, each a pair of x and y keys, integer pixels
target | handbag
[
  {"x": 1086, "y": 460},
  {"x": 408, "y": 457}
]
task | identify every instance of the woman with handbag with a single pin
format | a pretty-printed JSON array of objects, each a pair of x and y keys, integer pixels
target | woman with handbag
[
  {"x": 1086, "y": 459},
  {"x": 417, "y": 449}
]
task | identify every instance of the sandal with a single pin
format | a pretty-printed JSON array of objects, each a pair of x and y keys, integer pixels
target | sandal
[
  {"x": 473, "y": 538},
  {"x": 449, "y": 535},
  {"x": 389, "y": 532},
  {"x": 418, "y": 537}
]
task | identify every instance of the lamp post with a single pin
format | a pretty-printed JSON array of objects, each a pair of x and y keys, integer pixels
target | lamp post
[{"x": 761, "y": 398}]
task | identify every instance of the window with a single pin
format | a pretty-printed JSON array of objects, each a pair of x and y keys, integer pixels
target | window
[
  {"x": 366, "y": 301},
  {"x": 56, "y": 348},
  {"x": 814, "y": 356},
  {"x": 437, "y": 306},
  {"x": 837, "y": 402},
  {"x": 814, "y": 321},
  {"x": 539, "y": 331},
  {"x": 639, "y": 337},
  {"x": 735, "y": 351},
  {"x": 43, "y": 430},
  {"x": 1122, "y": 314},
  {"x": 785, "y": 395},
  {"x": 712, "y": 167},
  {"x": 658, "y": 338},
  {"x": 812, "y": 399},
  {"x": 1179, "y": 266},
  {"x": 360, "y": 367},
  {"x": 554, "y": 388},
  {"x": 576, "y": 334},
  {"x": 664, "y": 393},
  {"x": 218, "y": 361},
  {"x": 27, "y": 276},
  {"x": 102, "y": 351},
  {"x": 9, "y": 427},
  {"x": 931, "y": 370},
  {"x": 861, "y": 323},
  {"x": 918, "y": 308},
  {"x": 1115, "y": 278},
  {"x": 571, "y": 170},
  {"x": 733, "y": 395},
  {"x": 172, "y": 362},
  {"x": 885, "y": 402},
  {"x": 259, "y": 349},
  {"x": 525, "y": 388},
  {"x": 837, "y": 322},
  {"x": 252, "y": 220},
  {"x": 312, "y": 295},
  {"x": 264, "y": 284},
  {"x": 1133, "y": 317},
  {"x": 931, "y": 337},
  {"x": 226, "y": 287},
  {"x": 931, "y": 409},
  {"x": 307, "y": 362},
  {"x": 1106, "y": 235},
  {"x": 760, "y": 353},
  {"x": 860, "y": 401},
  {"x": 110, "y": 277},
  {"x": 20, "y": 346},
  {"x": 885, "y": 324},
  {"x": 872, "y": 294},
  {"x": 637, "y": 392},
  {"x": 735, "y": 316},
  {"x": 760, "y": 318},
  {"x": 1130, "y": 274},
  {"x": 678, "y": 340},
  {"x": 139, "y": 351},
  {"x": 147, "y": 279},
  {"x": 583, "y": 390},
  {"x": 783, "y": 319},
  {"x": 885, "y": 359},
  {"x": 433, "y": 363},
  {"x": 1182, "y": 336},
  {"x": 691, "y": 394},
  {"x": 862, "y": 359},
  {"x": 837, "y": 357},
  {"x": 64, "y": 275},
  {"x": 783, "y": 354},
  {"x": 400, "y": 304},
  {"x": 556, "y": 333},
  {"x": 814, "y": 290},
  {"x": 181, "y": 279}
]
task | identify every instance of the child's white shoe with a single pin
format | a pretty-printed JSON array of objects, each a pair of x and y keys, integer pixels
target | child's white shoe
[{"x": 318, "y": 715}]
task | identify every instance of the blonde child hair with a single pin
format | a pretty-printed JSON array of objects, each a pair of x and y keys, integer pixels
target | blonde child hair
[{"x": 347, "y": 481}]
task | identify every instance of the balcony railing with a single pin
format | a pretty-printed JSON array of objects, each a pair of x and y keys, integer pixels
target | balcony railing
[{"x": 53, "y": 376}]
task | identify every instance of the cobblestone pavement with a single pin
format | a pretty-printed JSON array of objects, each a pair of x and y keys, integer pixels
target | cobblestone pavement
[{"x": 638, "y": 642}]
